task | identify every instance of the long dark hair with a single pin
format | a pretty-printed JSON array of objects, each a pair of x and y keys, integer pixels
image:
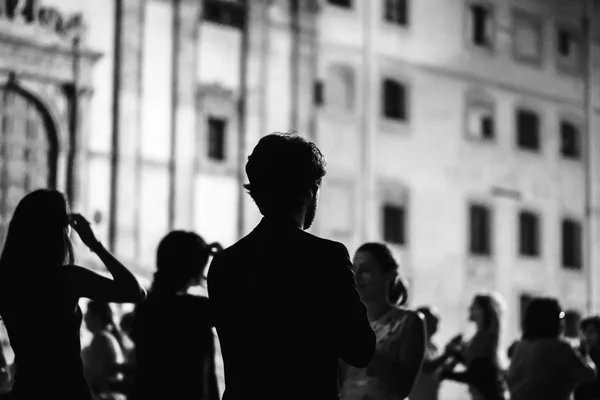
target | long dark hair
[
  {"x": 181, "y": 256},
  {"x": 381, "y": 253},
  {"x": 491, "y": 306},
  {"x": 37, "y": 236},
  {"x": 105, "y": 314}
]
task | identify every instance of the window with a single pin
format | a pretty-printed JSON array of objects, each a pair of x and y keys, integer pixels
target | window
[
  {"x": 529, "y": 234},
  {"x": 571, "y": 244},
  {"x": 569, "y": 140},
  {"x": 480, "y": 219},
  {"x": 480, "y": 120},
  {"x": 229, "y": 13},
  {"x": 528, "y": 130},
  {"x": 568, "y": 50},
  {"x": 216, "y": 138},
  {"x": 340, "y": 87},
  {"x": 318, "y": 93},
  {"x": 481, "y": 33},
  {"x": 394, "y": 224},
  {"x": 396, "y": 12},
  {"x": 527, "y": 37},
  {"x": 394, "y": 100},
  {"x": 341, "y": 3}
]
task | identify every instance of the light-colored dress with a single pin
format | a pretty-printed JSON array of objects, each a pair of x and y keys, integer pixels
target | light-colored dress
[{"x": 376, "y": 382}]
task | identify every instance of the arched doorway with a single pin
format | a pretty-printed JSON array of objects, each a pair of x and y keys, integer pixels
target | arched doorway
[{"x": 28, "y": 149}]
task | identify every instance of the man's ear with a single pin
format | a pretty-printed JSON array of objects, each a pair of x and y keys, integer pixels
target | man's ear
[{"x": 313, "y": 192}]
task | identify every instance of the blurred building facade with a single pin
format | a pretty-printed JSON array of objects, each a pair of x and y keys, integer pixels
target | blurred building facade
[{"x": 454, "y": 130}]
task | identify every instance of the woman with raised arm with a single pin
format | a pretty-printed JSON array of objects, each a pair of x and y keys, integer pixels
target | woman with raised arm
[
  {"x": 40, "y": 288},
  {"x": 483, "y": 373},
  {"x": 174, "y": 342}
]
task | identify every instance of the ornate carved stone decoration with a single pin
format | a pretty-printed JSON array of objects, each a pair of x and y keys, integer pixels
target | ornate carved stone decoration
[
  {"x": 37, "y": 41},
  {"x": 31, "y": 13}
]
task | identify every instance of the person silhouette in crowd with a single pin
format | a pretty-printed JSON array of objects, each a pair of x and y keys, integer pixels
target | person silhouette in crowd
[
  {"x": 285, "y": 301},
  {"x": 545, "y": 365},
  {"x": 400, "y": 332},
  {"x": 590, "y": 330},
  {"x": 483, "y": 374},
  {"x": 103, "y": 357},
  {"x": 40, "y": 288},
  {"x": 174, "y": 342},
  {"x": 6, "y": 362},
  {"x": 126, "y": 326},
  {"x": 126, "y": 370},
  {"x": 427, "y": 386}
]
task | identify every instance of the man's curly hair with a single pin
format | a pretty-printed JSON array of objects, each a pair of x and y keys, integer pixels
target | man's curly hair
[{"x": 282, "y": 170}]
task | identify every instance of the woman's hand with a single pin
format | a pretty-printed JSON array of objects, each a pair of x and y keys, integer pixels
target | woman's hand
[
  {"x": 84, "y": 230},
  {"x": 454, "y": 345}
]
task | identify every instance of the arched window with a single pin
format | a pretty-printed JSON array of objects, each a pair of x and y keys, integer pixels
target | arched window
[
  {"x": 28, "y": 150},
  {"x": 340, "y": 92}
]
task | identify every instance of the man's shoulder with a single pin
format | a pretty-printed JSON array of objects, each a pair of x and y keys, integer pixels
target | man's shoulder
[
  {"x": 326, "y": 245},
  {"x": 238, "y": 249}
]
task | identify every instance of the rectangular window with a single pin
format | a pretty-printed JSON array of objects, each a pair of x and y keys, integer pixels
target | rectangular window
[
  {"x": 480, "y": 120},
  {"x": 480, "y": 233},
  {"x": 394, "y": 100},
  {"x": 528, "y": 130},
  {"x": 569, "y": 140},
  {"x": 529, "y": 234},
  {"x": 481, "y": 25},
  {"x": 341, "y": 3},
  {"x": 396, "y": 12},
  {"x": 527, "y": 37},
  {"x": 318, "y": 93},
  {"x": 394, "y": 224},
  {"x": 216, "y": 138},
  {"x": 223, "y": 12},
  {"x": 572, "y": 237},
  {"x": 568, "y": 50}
]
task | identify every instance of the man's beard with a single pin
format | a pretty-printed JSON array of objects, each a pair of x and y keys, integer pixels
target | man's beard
[{"x": 310, "y": 215}]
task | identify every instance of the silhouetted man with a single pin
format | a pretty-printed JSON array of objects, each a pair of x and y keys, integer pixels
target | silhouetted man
[{"x": 285, "y": 301}]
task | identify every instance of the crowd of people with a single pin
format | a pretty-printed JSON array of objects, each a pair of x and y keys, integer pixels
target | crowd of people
[{"x": 296, "y": 316}]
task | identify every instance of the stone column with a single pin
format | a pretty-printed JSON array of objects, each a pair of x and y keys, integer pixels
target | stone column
[
  {"x": 185, "y": 36},
  {"x": 259, "y": 31},
  {"x": 128, "y": 124}
]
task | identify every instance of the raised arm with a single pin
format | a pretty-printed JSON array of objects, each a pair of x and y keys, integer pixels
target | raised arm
[
  {"x": 356, "y": 339},
  {"x": 579, "y": 365},
  {"x": 436, "y": 363},
  {"x": 123, "y": 288}
]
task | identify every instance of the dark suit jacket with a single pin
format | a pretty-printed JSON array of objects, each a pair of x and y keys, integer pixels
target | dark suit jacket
[{"x": 286, "y": 310}]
